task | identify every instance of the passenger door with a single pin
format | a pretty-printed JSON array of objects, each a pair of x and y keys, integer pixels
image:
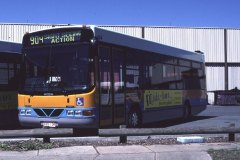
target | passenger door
[{"x": 111, "y": 76}]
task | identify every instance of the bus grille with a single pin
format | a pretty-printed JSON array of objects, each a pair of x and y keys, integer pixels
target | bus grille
[{"x": 48, "y": 112}]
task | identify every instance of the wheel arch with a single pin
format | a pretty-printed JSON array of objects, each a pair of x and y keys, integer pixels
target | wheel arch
[{"x": 135, "y": 107}]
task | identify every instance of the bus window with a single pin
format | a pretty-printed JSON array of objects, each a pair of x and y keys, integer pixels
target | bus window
[
  {"x": 105, "y": 77},
  {"x": 163, "y": 76},
  {"x": 132, "y": 71},
  {"x": 196, "y": 65},
  {"x": 132, "y": 76},
  {"x": 9, "y": 76},
  {"x": 191, "y": 79},
  {"x": 118, "y": 63},
  {"x": 157, "y": 74},
  {"x": 3, "y": 73},
  {"x": 184, "y": 63}
]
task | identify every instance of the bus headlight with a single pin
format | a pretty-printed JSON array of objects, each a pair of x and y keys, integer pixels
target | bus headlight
[
  {"x": 28, "y": 112},
  {"x": 70, "y": 113},
  {"x": 22, "y": 112},
  {"x": 78, "y": 113},
  {"x": 25, "y": 112}
]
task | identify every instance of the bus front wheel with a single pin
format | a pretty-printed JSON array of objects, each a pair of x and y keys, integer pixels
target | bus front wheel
[{"x": 134, "y": 119}]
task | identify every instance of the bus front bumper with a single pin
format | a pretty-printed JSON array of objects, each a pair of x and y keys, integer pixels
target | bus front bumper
[
  {"x": 58, "y": 123},
  {"x": 58, "y": 117}
]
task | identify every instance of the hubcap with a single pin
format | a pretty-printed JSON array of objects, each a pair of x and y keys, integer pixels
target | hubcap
[{"x": 134, "y": 119}]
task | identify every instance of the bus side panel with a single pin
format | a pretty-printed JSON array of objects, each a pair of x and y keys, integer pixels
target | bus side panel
[
  {"x": 168, "y": 104},
  {"x": 163, "y": 113},
  {"x": 197, "y": 100},
  {"x": 156, "y": 105},
  {"x": 8, "y": 110},
  {"x": 162, "y": 105}
]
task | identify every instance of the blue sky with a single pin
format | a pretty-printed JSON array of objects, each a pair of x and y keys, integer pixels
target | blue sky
[{"x": 186, "y": 13}]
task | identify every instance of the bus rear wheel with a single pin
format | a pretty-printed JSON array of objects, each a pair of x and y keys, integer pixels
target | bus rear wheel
[{"x": 134, "y": 119}]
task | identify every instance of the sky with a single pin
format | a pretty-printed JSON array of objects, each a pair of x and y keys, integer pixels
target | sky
[{"x": 180, "y": 13}]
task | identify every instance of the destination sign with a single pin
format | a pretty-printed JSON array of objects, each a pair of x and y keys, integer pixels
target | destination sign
[{"x": 55, "y": 38}]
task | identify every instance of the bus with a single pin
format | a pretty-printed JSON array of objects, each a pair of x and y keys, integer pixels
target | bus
[
  {"x": 85, "y": 77},
  {"x": 10, "y": 60}
]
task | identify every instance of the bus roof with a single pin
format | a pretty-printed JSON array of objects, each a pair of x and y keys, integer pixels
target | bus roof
[
  {"x": 10, "y": 47},
  {"x": 143, "y": 44},
  {"x": 116, "y": 38}
]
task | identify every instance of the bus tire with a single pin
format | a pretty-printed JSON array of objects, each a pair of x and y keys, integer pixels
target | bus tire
[
  {"x": 134, "y": 118},
  {"x": 187, "y": 111}
]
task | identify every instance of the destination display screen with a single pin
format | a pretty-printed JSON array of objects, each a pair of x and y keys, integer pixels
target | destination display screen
[{"x": 54, "y": 38}]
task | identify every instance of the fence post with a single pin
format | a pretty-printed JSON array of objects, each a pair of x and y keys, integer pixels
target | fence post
[
  {"x": 123, "y": 139},
  {"x": 46, "y": 139},
  {"x": 231, "y": 137}
]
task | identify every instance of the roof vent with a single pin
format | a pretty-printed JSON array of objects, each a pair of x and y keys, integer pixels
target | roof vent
[{"x": 198, "y": 51}]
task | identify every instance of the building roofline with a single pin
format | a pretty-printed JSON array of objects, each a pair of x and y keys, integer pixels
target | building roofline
[
  {"x": 181, "y": 27},
  {"x": 140, "y": 26}
]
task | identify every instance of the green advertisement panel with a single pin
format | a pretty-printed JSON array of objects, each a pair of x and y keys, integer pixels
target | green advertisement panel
[{"x": 161, "y": 98}]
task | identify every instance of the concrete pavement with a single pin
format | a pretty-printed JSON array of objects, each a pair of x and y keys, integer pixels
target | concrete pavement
[{"x": 194, "y": 151}]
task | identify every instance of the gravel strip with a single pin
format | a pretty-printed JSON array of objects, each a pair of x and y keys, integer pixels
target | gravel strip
[{"x": 36, "y": 144}]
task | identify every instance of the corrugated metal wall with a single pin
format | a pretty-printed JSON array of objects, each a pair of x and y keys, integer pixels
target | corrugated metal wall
[
  {"x": 215, "y": 81},
  {"x": 216, "y": 75},
  {"x": 234, "y": 77},
  {"x": 211, "y": 41},
  {"x": 129, "y": 30},
  {"x": 233, "y": 43},
  {"x": 15, "y": 32}
]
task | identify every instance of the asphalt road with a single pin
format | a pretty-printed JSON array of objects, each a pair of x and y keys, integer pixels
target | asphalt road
[
  {"x": 212, "y": 116},
  {"x": 221, "y": 111},
  {"x": 220, "y": 116}
]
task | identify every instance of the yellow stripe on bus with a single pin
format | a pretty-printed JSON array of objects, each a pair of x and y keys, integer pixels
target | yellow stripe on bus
[{"x": 60, "y": 101}]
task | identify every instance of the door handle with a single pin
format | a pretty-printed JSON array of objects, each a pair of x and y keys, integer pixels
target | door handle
[{"x": 109, "y": 95}]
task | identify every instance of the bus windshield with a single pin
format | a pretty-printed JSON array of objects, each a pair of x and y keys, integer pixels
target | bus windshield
[{"x": 60, "y": 69}]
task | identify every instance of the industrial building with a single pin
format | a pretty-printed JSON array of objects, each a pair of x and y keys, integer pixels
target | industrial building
[{"x": 221, "y": 46}]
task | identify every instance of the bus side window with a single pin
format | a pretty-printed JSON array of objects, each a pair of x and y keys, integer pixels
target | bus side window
[
  {"x": 132, "y": 76},
  {"x": 4, "y": 73}
]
